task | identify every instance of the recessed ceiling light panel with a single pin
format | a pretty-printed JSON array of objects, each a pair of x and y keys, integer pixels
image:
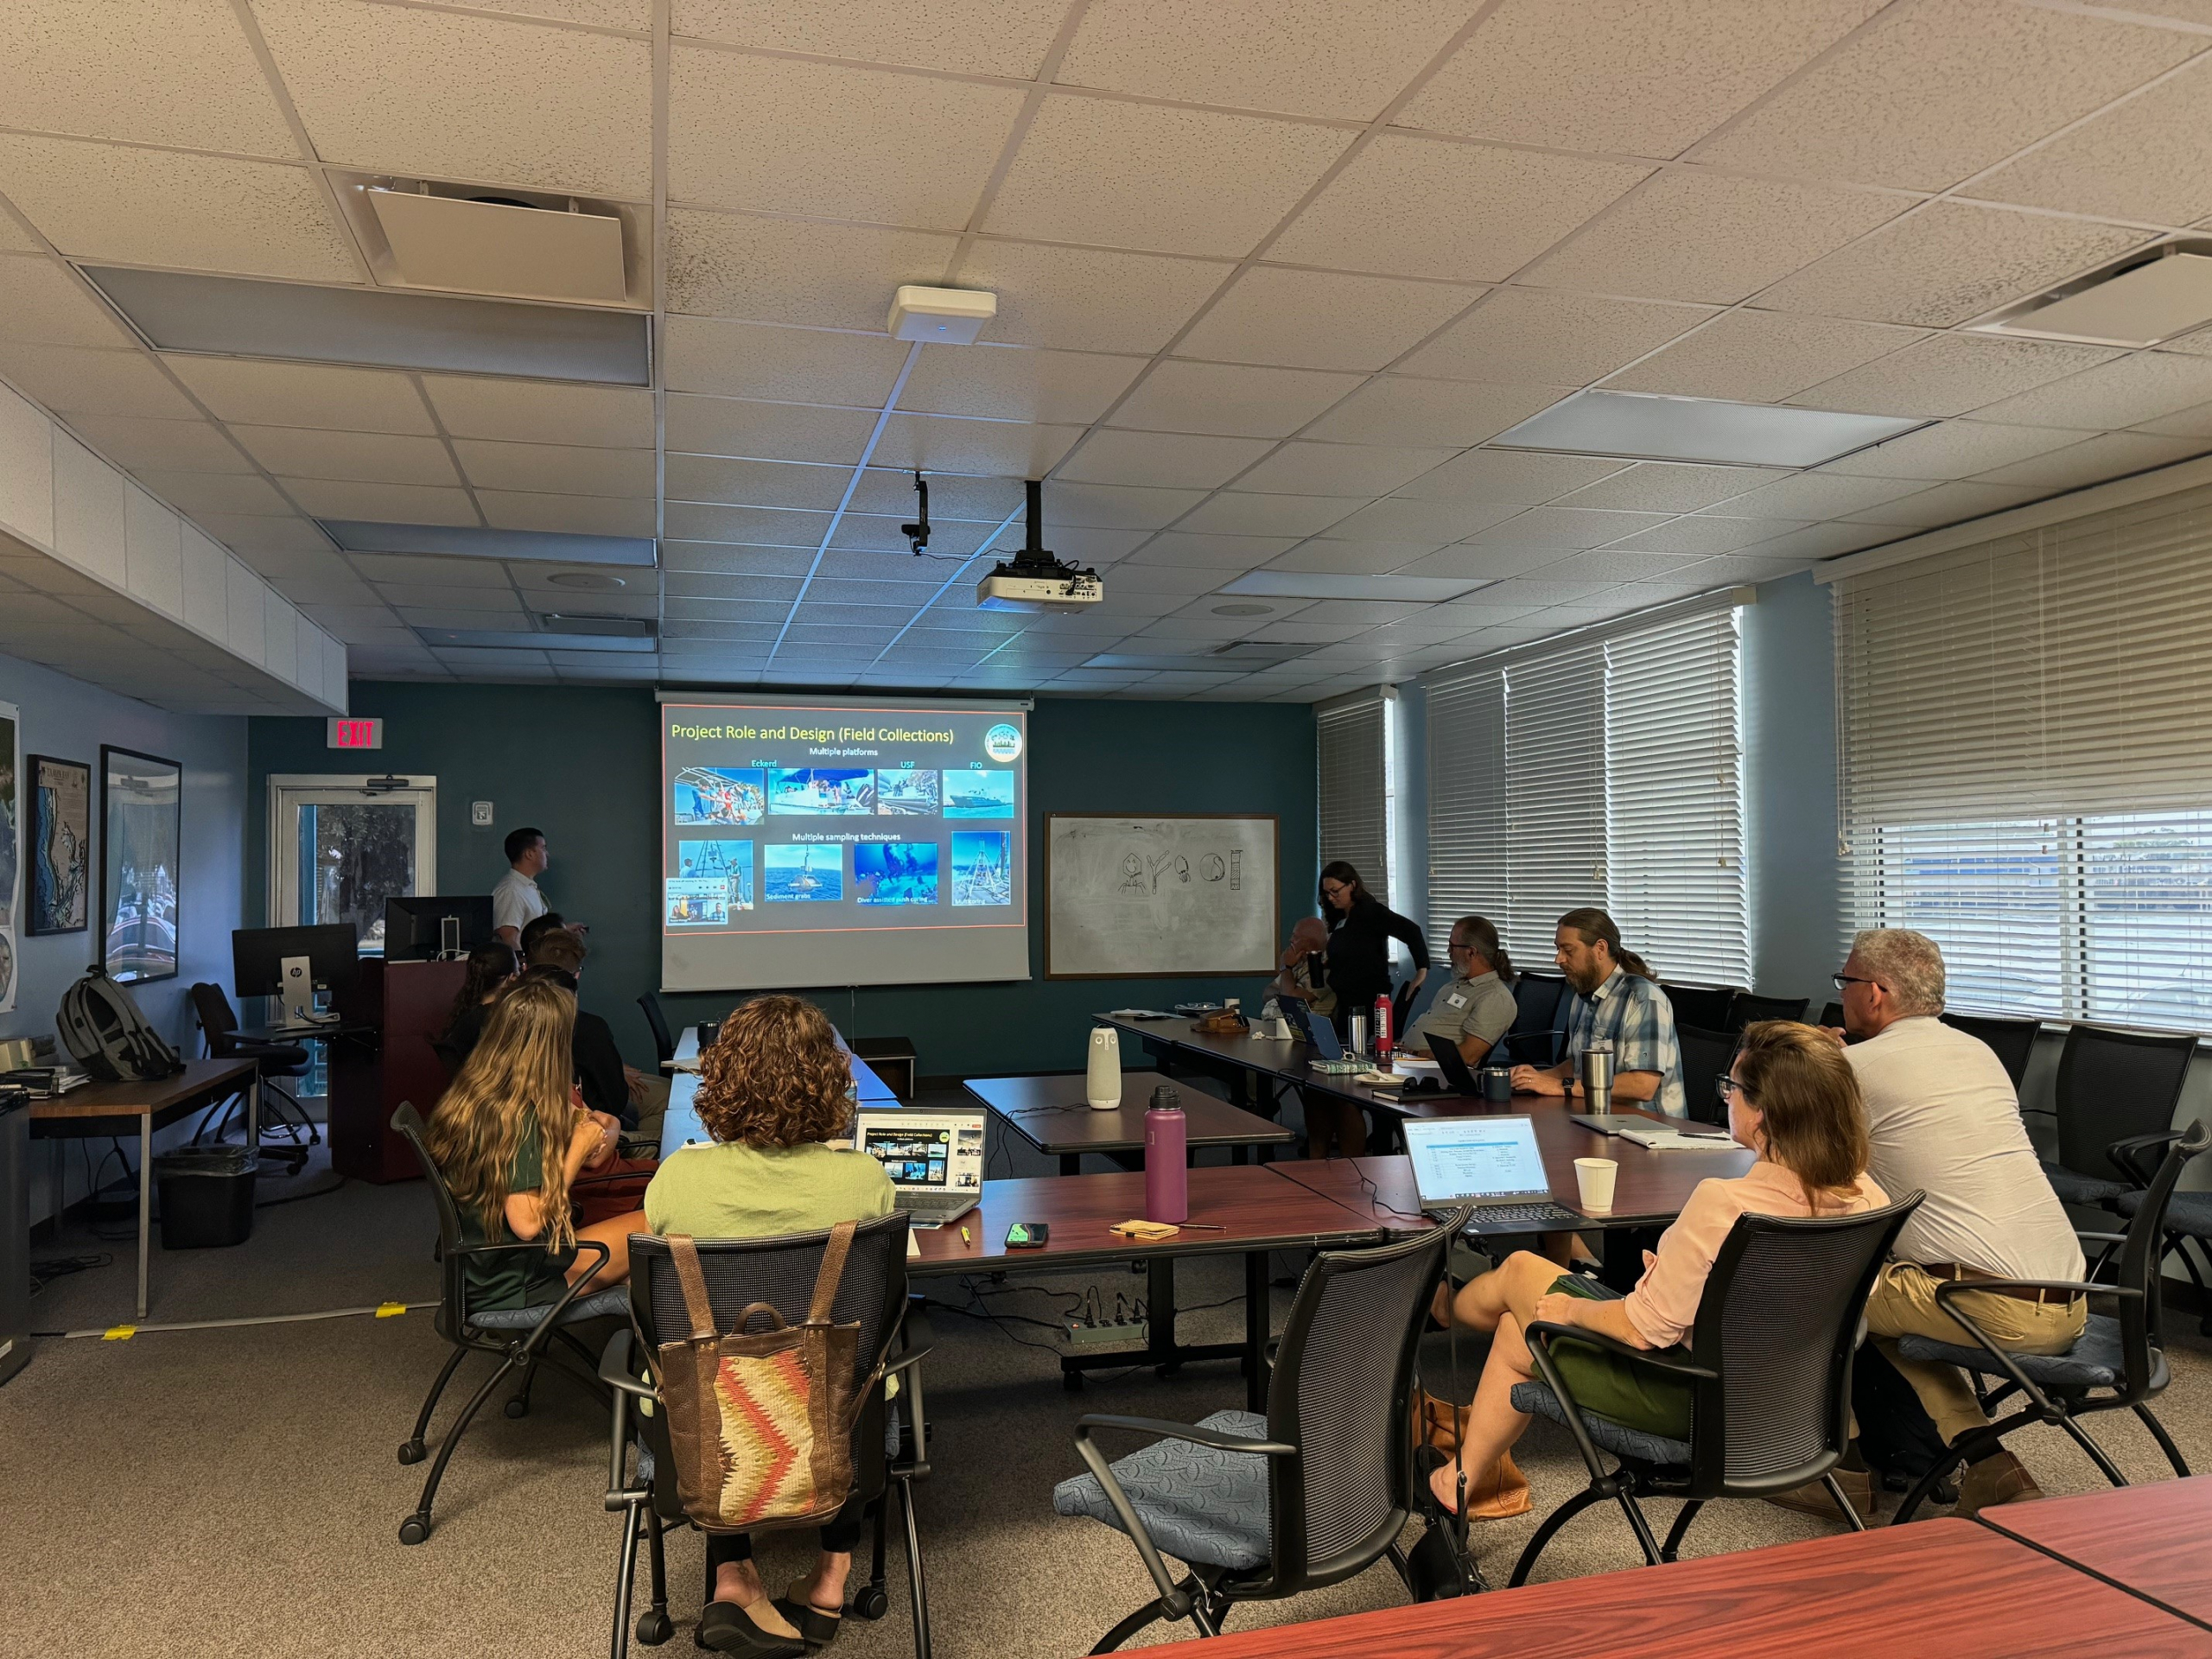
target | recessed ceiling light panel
[
  {"x": 468, "y": 542},
  {"x": 523, "y": 640},
  {"x": 1303, "y": 584},
  {"x": 1647, "y": 426}
]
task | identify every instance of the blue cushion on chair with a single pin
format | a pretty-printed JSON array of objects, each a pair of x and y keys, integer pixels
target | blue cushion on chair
[
  {"x": 2073, "y": 1188},
  {"x": 1537, "y": 1399},
  {"x": 2094, "y": 1361},
  {"x": 1200, "y": 1504},
  {"x": 2186, "y": 1212},
  {"x": 600, "y": 1304}
]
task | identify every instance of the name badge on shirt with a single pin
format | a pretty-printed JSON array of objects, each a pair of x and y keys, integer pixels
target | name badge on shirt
[{"x": 1457, "y": 999}]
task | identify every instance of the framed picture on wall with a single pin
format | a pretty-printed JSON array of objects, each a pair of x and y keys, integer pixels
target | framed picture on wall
[
  {"x": 142, "y": 863},
  {"x": 11, "y": 848},
  {"x": 58, "y": 858}
]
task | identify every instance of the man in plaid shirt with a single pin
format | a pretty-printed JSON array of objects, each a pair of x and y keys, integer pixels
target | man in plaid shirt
[{"x": 1616, "y": 1000}]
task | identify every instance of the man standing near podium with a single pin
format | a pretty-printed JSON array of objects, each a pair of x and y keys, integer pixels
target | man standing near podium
[{"x": 515, "y": 901}]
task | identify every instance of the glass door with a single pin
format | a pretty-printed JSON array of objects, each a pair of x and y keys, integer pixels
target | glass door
[{"x": 339, "y": 847}]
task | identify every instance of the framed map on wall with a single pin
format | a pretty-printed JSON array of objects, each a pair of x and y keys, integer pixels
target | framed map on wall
[
  {"x": 58, "y": 858},
  {"x": 142, "y": 800}
]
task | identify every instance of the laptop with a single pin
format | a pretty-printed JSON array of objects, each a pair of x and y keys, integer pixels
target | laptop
[
  {"x": 935, "y": 1160},
  {"x": 1492, "y": 1162},
  {"x": 1459, "y": 1076},
  {"x": 1322, "y": 1034}
]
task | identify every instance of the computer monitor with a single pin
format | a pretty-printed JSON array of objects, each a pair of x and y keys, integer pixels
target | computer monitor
[
  {"x": 414, "y": 927},
  {"x": 259, "y": 954}
]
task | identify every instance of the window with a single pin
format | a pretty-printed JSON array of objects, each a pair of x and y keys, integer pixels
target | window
[
  {"x": 1606, "y": 770},
  {"x": 2026, "y": 763},
  {"x": 1354, "y": 785}
]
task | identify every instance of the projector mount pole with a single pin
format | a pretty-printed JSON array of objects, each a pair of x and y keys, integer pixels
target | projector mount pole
[{"x": 1035, "y": 556}]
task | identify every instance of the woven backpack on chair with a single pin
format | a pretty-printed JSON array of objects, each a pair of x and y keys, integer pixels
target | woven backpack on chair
[{"x": 762, "y": 1422}]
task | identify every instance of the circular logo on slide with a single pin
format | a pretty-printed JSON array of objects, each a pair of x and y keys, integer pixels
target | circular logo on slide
[{"x": 1002, "y": 742}]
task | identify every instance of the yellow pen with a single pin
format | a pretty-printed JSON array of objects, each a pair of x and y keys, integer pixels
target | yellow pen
[{"x": 964, "y": 1239}]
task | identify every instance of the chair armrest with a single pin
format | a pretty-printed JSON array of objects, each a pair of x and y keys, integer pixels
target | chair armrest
[
  {"x": 2130, "y": 1153},
  {"x": 917, "y": 1337},
  {"x": 1190, "y": 1432},
  {"x": 1675, "y": 1361},
  {"x": 2101, "y": 1238},
  {"x": 616, "y": 1371},
  {"x": 1947, "y": 1291},
  {"x": 543, "y": 1328}
]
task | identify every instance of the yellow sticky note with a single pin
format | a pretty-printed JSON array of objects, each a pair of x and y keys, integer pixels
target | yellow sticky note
[
  {"x": 390, "y": 1310},
  {"x": 119, "y": 1333}
]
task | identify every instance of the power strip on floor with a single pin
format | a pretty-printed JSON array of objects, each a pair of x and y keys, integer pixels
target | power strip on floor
[{"x": 1113, "y": 1333}]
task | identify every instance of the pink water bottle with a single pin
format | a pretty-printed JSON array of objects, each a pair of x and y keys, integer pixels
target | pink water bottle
[{"x": 1167, "y": 1172}]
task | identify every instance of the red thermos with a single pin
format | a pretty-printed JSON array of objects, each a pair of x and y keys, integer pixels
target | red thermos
[{"x": 1382, "y": 1029}]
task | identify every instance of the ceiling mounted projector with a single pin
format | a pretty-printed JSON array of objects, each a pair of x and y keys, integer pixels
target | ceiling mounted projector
[
  {"x": 1035, "y": 581},
  {"x": 941, "y": 316}
]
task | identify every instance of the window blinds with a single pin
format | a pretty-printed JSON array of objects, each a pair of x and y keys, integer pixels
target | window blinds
[
  {"x": 2026, "y": 762},
  {"x": 1603, "y": 771},
  {"x": 1354, "y": 786}
]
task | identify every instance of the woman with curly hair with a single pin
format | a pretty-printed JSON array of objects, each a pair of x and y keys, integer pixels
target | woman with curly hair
[{"x": 774, "y": 1090}]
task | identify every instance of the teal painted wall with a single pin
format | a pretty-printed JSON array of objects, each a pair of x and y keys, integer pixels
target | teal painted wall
[{"x": 583, "y": 764}]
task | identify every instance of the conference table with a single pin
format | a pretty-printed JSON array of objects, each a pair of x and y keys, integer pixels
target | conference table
[
  {"x": 682, "y": 1127},
  {"x": 1054, "y": 1115},
  {"x": 2149, "y": 1541}
]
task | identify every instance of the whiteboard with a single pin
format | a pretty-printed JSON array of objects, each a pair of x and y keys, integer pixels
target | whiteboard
[{"x": 1145, "y": 898}]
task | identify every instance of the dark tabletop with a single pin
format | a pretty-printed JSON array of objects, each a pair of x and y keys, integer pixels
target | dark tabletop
[{"x": 1053, "y": 1115}]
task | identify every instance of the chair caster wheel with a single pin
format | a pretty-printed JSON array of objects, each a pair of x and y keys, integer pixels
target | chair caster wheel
[
  {"x": 517, "y": 1407},
  {"x": 873, "y": 1602},
  {"x": 415, "y": 1529},
  {"x": 413, "y": 1452},
  {"x": 1071, "y": 1381},
  {"x": 653, "y": 1628}
]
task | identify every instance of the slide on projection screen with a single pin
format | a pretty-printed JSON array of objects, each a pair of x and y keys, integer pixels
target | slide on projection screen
[{"x": 812, "y": 842}]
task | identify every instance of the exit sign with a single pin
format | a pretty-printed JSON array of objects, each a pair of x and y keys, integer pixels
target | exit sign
[{"x": 355, "y": 733}]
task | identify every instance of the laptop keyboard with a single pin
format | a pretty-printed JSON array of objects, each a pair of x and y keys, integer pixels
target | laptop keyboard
[{"x": 1499, "y": 1217}]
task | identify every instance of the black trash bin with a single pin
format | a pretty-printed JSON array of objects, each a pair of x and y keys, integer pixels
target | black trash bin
[{"x": 206, "y": 1196}]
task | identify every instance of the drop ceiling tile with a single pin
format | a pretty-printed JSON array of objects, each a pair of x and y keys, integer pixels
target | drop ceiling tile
[
  {"x": 949, "y": 443},
  {"x": 1339, "y": 469},
  {"x": 787, "y": 270},
  {"x": 366, "y": 457},
  {"x": 557, "y": 467},
  {"x": 1948, "y": 263},
  {"x": 1538, "y": 335},
  {"x": 1080, "y": 299},
  {"x": 1321, "y": 318},
  {"x": 1645, "y": 77},
  {"x": 1237, "y": 514},
  {"x": 1818, "y": 495},
  {"x": 874, "y": 578},
  {"x": 194, "y": 493},
  {"x": 1436, "y": 523},
  {"x": 1759, "y": 357},
  {"x": 1007, "y": 383},
  {"x": 879, "y": 534},
  {"x": 1137, "y": 176},
  {"x": 761, "y": 526},
  {"x": 1134, "y": 579},
  {"x": 1401, "y": 410},
  {"x": 1114, "y": 506},
  {"x": 382, "y": 504},
  {"x": 1665, "y": 487},
  {"x": 2123, "y": 393},
  {"x": 1162, "y": 459},
  {"x": 2185, "y": 423},
  {"x": 1949, "y": 374},
  {"x": 415, "y": 570},
  {"x": 445, "y": 96},
  {"x": 46, "y": 304},
  {"x": 1485, "y": 563},
  {"x": 180, "y": 73},
  {"x": 1424, "y": 208},
  {"x": 357, "y": 625},
  {"x": 1505, "y": 475},
  {"x": 1933, "y": 91},
  {"x": 1947, "y": 503},
  {"x": 174, "y": 446},
  {"x": 1691, "y": 235},
  {"x": 1233, "y": 399},
  {"x": 836, "y": 140},
  {"x": 765, "y": 633},
  {"x": 1571, "y": 527},
  {"x": 2109, "y": 455},
  {"x": 744, "y": 596},
  {"x": 987, "y": 37},
  {"x": 755, "y": 483},
  {"x": 163, "y": 207},
  {"x": 251, "y": 536},
  {"x": 70, "y": 380},
  {"x": 1708, "y": 535},
  {"x": 303, "y": 394},
  {"x": 1954, "y": 450},
  {"x": 1815, "y": 541},
  {"x": 539, "y": 411},
  {"x": 1328, "y": 556},
  {"x": 478, "y": 608},
  {"x": 727, "y": 426},
  {"x": 2150, "y": 159},
  {"x": 803, "y": 365}
]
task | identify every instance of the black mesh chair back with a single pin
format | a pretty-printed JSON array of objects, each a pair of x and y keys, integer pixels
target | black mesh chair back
[
  {"x": 2116, "y": 1085},
  {"x": 452, "y": 1297},
  {"x": 1744, "y": 1009},
  {"x": 216, "y": 1018},
  {"x": 1779, "y": 1320},
  {"x": 1340, "y": 1393},
  {"x": 1704, "y": 1007},
  {"x": 1832, "y": 1015},
  {"x": 1535, "y": 1037},
  {"x": 2012, "y": 1040},
  {"x": 1706, "y": 1059},
  {"x": 664, "y": 1044}
]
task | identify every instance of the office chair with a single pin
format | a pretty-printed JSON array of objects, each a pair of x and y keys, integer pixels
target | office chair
[
  {"x": 2189, "y": 1218},
  {"x": 1706, "y": 1056},
  {"x": 2013, "y": 1041},
  {"x": 1744, "y": 1009},
  {"x": 219, "y": 1025},
  {"x": 1260, "y": 1508},
  {"x": 518, "y": 1336},
  {"x": 1768, "y": 1366},
  {"x": 1538, "y": 1032},
  {"x": 663, "y": 1044},
  {"x": 1832, "y": 1015},
  {"x": 2126, "y": 1354},
  {"x": 2114, "y": 1087},
  {"x": 889, "y": 1439},
  {"x": 1704, "y": 1007}
]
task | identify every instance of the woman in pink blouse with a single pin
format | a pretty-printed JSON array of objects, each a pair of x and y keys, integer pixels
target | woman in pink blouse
[{"x": 1793, "y": 1100}]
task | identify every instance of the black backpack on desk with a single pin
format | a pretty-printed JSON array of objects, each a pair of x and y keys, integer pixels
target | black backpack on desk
[{"x": 101, "y": 1026}]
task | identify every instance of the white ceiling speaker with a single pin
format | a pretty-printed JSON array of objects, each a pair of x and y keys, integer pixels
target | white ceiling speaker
[
  {"x": 2138, "y": 302},
  {"x": 941, "y": 316}
]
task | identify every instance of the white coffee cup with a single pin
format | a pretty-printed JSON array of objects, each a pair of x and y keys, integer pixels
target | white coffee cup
[{"x": 1594, "y": 1176}]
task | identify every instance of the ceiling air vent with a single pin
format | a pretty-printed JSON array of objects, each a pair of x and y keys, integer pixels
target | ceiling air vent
[
  {"x": 522, "y": 245},
  {"x": 2140, "y": 301},
  {"x": 1255, "y": 653}
]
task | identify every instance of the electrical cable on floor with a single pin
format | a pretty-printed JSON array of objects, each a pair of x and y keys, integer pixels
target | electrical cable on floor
[
  {"x": 61, "y": 1267},
  {"x": 123, "y": 1333}
]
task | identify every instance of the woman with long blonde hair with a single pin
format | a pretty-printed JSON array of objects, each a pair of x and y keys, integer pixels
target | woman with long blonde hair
[{"x": 510, "y": 1137}]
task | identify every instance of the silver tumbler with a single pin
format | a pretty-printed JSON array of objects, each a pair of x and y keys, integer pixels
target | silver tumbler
[
  {"x": 1597, "y": 1075},
  {"x": 1358, "y": 1031}
]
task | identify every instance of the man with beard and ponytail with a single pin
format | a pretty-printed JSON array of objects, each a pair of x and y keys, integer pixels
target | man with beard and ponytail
[{"x": 1616, "y": 1000}]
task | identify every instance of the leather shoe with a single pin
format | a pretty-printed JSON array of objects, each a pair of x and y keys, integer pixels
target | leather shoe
[
  {"x": 1812, "y": 1498},
  {"x": 2000, "y": 1477}
]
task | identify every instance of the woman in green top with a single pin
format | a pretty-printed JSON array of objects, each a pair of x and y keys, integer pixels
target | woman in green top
[
  {"x": 774, "y": 1091},
  {"x": 510, "y": 1136}
]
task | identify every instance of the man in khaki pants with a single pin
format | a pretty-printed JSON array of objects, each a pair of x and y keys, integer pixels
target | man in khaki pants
[{"x": 1944, "y": 1119}]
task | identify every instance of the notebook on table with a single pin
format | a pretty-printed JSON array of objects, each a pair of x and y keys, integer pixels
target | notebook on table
[
  {"x": 1491, "y": 1162},
  {"x": 935, "y": 1161}
]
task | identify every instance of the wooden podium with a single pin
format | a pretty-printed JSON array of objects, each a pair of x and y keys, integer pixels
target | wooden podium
[{"x": 410, "y": 1004}]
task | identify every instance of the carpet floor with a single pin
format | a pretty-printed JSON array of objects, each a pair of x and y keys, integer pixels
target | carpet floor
[{"x": 235, "y": 1490}]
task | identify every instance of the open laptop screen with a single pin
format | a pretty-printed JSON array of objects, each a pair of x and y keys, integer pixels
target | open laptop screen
[
  {"x": 926, "y": 1152},
  {"x": 1490, "y": 1159}
]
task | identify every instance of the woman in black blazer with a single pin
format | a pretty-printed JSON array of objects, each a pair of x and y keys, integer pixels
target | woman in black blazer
[{"x": 1361, "y": 927}]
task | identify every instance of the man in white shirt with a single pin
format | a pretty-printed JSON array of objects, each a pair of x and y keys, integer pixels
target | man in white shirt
[
  {"x": 515, "y": 901},
  {"x": 1944, "y": 1119}
]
